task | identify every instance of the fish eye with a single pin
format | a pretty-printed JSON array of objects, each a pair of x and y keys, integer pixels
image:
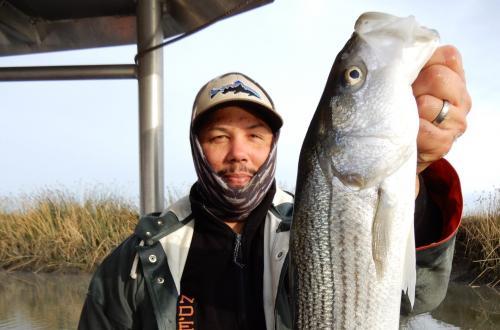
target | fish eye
[{"x": 353, "y": 75}]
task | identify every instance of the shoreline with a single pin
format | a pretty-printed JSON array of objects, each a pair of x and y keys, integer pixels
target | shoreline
[
  {"x": 465, "y": 271},
  {"x": 56, "y": 232}
]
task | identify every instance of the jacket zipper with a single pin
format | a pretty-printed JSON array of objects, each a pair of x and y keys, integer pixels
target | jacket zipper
[{"x": 237, "y": 259}]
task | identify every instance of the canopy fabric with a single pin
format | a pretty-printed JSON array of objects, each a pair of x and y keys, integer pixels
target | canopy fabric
[{"x": 33, "y": 26}]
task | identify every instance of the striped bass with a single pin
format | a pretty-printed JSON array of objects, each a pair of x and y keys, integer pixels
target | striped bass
[{"x": 352, "y": 239}]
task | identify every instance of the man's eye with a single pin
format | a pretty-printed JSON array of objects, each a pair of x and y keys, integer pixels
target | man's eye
[
  {"x": 256, "y": 136},
  {"x": 218, "y": 138}
]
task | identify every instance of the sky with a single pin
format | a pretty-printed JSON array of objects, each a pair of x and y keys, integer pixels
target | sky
[{"x": 81, "y": 135}]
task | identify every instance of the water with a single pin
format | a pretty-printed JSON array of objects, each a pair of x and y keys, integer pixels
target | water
[
  {"x": 54, "y": 301},
  {"x": 463, "y": 308},
  {"x": 47, "y": 301}
]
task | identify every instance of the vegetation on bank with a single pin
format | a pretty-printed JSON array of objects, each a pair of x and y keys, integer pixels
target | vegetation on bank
[
  {"x": 478, "y": 242},
  {"x": 54, "y": 231}
]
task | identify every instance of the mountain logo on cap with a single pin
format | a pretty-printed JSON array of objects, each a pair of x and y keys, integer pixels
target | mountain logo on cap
[{"x": 236, "y": 87}]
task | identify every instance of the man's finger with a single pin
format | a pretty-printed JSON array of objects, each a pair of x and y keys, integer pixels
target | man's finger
[
  {"x": 433, "y": 143},
  {"x": 429, "y": 107},
  {"x": 436, "y": 80},
  {"x": 448, "y": 56}
]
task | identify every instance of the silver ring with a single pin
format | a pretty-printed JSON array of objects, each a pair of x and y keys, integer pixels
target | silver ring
[{"x": 442, "y": 114}]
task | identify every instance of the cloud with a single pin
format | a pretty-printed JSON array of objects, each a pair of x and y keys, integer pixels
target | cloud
[{"x": 475, "y": 155}]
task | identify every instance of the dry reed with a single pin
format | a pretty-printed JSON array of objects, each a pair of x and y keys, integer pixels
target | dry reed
[
  {"x": 53, "y": 231},
  {"x": 479, "y": 239}
]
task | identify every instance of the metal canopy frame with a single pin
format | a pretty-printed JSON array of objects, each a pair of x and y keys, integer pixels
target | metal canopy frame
[{"x": 28, "y": 26}]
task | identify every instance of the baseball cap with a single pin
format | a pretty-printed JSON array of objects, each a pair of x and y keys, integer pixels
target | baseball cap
[{"x": 235, "y": 88}]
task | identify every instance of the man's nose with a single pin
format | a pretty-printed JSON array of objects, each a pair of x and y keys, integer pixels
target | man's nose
[{"x": 238, "y": 150}]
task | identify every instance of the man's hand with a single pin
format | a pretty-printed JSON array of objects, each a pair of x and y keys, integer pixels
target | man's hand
[{"x": 442, "y": 78}]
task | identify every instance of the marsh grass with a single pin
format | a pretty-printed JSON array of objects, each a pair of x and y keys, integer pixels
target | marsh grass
[
  {"x": 54, "y": 231},
  {"x": 478, "y": 240}
]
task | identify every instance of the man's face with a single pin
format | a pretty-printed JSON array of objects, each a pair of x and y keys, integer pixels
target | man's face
[{"x": 236, "y": 144}]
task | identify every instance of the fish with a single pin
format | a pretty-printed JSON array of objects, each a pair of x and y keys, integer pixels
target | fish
[
  {"x": 352, "y": 245},
  {"x": 236, "y": 87}
]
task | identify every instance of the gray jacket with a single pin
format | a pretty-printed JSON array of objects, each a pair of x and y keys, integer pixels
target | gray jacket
[{"x": 137, "y": 285}]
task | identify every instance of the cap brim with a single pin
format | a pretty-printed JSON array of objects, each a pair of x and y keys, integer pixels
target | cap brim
[{"x": 268, "y": 115}]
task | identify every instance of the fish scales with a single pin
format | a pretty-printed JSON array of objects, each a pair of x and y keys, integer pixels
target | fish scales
[
  {"x": 352, "y": 245},
  {"x": 317, "y": 274}
]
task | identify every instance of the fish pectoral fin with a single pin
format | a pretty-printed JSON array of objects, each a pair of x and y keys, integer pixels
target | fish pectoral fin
[
  {"x": 325, "y": 165},
  {"x": 410, "y": 268},
  {"x": 382, "y": 226},
  {"x": 380, "y": 233}
]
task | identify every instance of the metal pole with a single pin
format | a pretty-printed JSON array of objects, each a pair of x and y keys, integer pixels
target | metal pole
[
  {"x": 150, "y": 77},
  {"x": 74, "y": 72}
]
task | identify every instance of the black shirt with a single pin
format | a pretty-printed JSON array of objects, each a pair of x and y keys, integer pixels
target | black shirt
[
  {"x": 428, "y": 220},
  {"x": 222, "y": 281}
]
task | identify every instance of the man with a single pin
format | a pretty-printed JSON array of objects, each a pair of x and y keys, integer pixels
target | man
[{"x": 213, "y": 260}]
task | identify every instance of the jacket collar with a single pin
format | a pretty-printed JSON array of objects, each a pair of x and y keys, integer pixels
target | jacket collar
[{"x": 152, "y": 227}]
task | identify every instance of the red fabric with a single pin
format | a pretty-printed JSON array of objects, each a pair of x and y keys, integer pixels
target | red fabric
[{"x": 443, "y": 187}]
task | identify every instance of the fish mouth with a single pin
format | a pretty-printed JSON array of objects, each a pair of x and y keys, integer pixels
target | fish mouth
[{"x": 377, "y": 24}]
